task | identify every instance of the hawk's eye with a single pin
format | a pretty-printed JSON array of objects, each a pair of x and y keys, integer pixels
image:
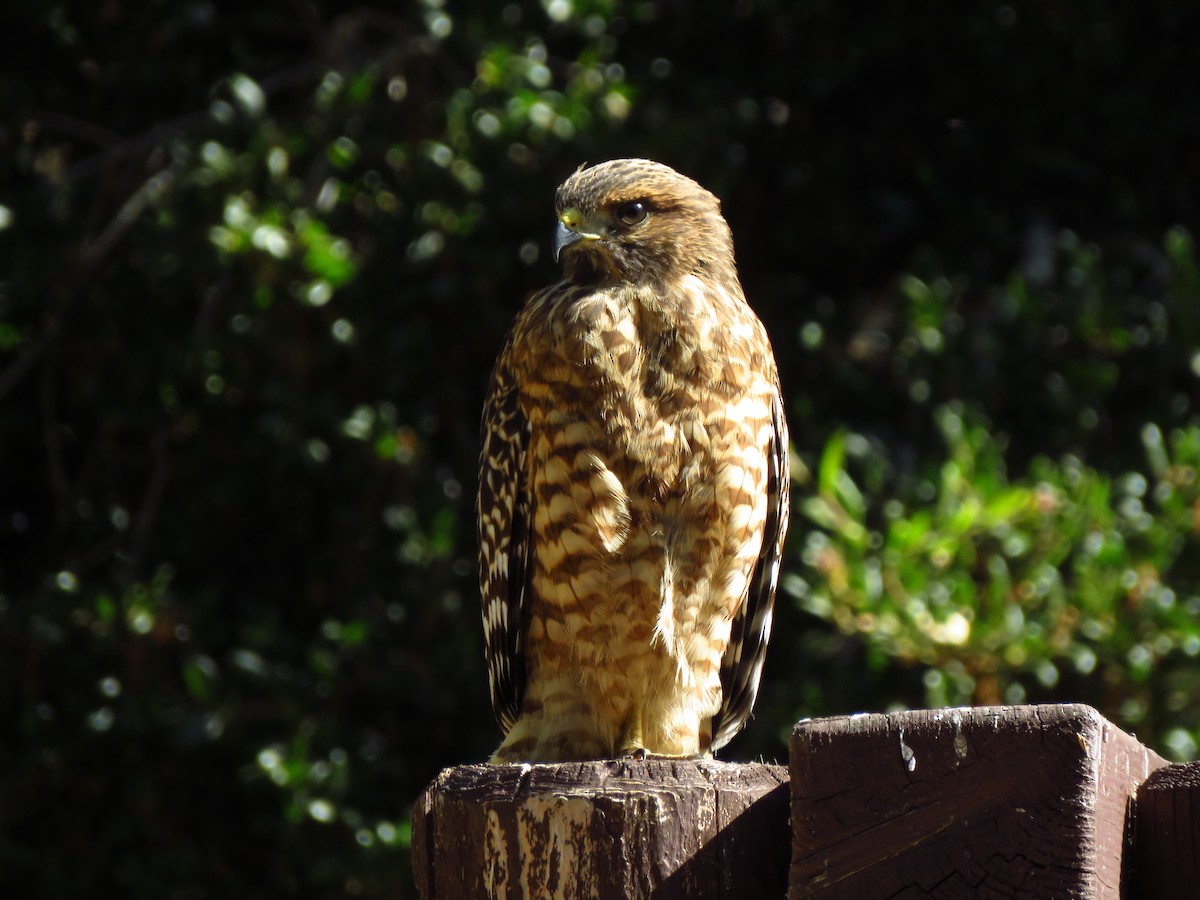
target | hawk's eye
[{"x": 632, "y": 213}]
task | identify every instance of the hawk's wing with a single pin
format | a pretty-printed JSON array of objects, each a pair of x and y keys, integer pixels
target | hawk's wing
[
  {"x": 503, "y": 517},
  {"x": 742, "y": 664}
]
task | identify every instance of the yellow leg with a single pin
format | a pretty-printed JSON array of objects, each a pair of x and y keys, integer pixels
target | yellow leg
[{"x": 632, "y": 741}]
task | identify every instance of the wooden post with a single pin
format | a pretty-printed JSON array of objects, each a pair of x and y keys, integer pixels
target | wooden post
[
  {"x": 1167, "y": 835},
  {"x": 1026, "y": 801},
  {"x": 604, "y": 829}
]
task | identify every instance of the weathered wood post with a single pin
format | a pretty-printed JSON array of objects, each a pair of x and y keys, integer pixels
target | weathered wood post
[
  {"x": 1036, "y": 802},
  {"x": 1025, "y": 801},
  {"x": 1167, "y": 835},
  {"x": 604, "y": 829}
]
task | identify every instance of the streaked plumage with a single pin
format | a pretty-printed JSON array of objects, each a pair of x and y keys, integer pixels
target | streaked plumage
[{"x": 633, "y": 492}]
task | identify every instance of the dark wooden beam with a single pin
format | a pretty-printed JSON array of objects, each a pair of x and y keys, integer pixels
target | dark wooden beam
[
  {"x": 1167, "y": 835},
  {"x": 993, "y": 802}
]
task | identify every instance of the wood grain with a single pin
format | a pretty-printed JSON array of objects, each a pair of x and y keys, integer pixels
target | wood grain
[
  {"x": 1025, "y": 801},
  {"x": 607, "y": 828},
  {"x": 1167, "y": 834}
]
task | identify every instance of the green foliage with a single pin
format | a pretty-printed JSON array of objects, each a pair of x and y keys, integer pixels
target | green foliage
[
  {"x": 258, "y": 265},
  {"x": 1069, "y": 578},
  {"x": 993, "y": 588}
]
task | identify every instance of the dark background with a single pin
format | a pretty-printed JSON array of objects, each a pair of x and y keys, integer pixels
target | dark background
[{"x": 255, "y": 265}]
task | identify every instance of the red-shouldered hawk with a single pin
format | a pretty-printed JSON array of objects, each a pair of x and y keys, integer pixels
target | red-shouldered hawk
[{"x": 633, "y": 491}]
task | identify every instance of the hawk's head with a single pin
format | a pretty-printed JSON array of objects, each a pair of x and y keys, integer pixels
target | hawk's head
[{"x": 633, "y": 220}]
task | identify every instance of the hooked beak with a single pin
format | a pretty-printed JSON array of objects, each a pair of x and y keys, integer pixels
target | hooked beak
[
  {"x": 568, "y": 232},
  {"x": 564, "y": 237}
]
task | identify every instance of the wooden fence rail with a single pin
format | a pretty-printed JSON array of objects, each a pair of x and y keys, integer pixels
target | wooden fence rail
[
  {"x": 1166, "y": 839},
  {"x": 1024, "y": 801}
]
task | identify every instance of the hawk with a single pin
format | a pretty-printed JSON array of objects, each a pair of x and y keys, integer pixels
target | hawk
[{"x": 633, "y": 490}]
